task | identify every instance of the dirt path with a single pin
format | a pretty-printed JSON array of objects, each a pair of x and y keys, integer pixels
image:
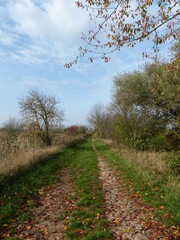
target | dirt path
[
  {"x": 129, "y": 218},
  {"x": 55, "y": 208}
]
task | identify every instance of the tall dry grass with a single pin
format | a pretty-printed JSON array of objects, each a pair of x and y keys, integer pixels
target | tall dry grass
[
  {"x": 149, "y": 163},
  {"x": 22, "y": 150},
  {"x": 144, "y": 160}
]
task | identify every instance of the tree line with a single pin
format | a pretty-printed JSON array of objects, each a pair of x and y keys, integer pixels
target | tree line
[{"x": 144, "y": 111}]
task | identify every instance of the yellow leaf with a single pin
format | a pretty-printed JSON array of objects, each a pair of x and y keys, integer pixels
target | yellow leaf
[
  {"x": 28, "y": 227},
  {"x": 7, "y": 235},
  {"x": 5, "y": 225},
  {"x": 127, "y": 230},
  {"x": 175, "y": 232},
  {"x": 45, "y": 231}
]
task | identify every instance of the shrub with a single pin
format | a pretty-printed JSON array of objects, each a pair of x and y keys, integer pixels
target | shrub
[
  {"x": 173, "y": 160},
  {"x": 155, "y": 143},
  {"x": 72, "y": 131}
]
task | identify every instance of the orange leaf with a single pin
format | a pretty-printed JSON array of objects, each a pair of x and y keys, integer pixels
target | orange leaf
[
  {"x": 161, "y": 207},
  {"x": 116, "y": 221}
]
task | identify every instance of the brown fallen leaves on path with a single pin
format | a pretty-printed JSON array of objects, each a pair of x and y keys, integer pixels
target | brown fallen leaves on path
[
  {"x": 54, "y": 210},
  {"x": 129, "y": 217}
]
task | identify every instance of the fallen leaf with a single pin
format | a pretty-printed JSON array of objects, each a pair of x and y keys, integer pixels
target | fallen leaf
[
  {"x": 28, "y": 227},
  {"x": 162, "y": 226},
  {"x": 175, "y": 232},
  {"x": 161, "y": 207},
  {"x": 5, "y": 225},
  {"x": 116, "y": 221}
]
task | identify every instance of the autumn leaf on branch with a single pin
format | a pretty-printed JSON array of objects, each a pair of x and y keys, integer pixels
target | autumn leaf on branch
[{"x": 117, "y": 23}]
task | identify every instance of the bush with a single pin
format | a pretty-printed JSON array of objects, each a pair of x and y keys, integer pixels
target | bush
[
  {"x": 173, "y": 161},
  {"x": 72, "y": 131},
  {"x": 155, "y": 143}
]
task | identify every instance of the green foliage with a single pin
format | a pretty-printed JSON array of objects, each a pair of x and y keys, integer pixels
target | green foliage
[
  {"x": 146, "y": 106},
  {"x": 173, "y": 160},
  {"x": 154, "y": 143}
]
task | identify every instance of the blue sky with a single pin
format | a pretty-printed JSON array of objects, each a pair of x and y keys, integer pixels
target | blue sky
[{"x": 37, "y": 37}]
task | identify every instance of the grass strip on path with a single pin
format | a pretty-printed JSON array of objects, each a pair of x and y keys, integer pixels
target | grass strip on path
[
  {"x": 155, "y": 192},
  {"x": 88, "y": 220}
]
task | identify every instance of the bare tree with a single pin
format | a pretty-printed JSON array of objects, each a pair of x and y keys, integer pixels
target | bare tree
[
  {"x": 95, "y": 118},
  {"x": 12, "y": 126},
  {"x": 42, "y": 111}
]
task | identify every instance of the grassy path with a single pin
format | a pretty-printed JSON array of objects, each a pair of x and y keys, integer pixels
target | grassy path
[
  {"x": 72, "y": 194},
  {"x": 89, "y": 220},
  {"x": 59, "y": 198}
]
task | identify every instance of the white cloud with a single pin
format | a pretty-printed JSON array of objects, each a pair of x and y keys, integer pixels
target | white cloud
[
  {"x": 50, "y": 28},
  {"x": 54, "y": 21},
  {"x": 7, "y": 38}
]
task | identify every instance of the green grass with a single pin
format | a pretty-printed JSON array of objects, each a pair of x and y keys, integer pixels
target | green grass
[
  {"x": 88, "y": 221},
  {"x": 151, "y": 188}
]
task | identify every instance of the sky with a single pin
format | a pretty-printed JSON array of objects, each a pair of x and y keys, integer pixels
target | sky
[{"x": 37, "y": 37}]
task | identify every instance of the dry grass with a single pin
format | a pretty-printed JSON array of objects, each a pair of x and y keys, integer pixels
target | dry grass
[
  {"x": 148, "y": 163},
  {"x": 25, "y": 158},
  {"x": 21, "y": 151},
  {"x": 144, "y": 160},
  {"x": 62, "y": 139}
]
